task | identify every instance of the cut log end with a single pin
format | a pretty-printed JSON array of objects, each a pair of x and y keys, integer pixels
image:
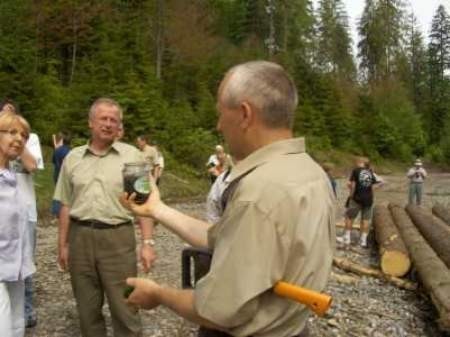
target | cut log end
[{"x": 395, "y": 263}]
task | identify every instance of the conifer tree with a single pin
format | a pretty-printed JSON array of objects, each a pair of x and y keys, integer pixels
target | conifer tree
[
  {"x": 439, "y": 64},
  {"x": 334, "y": 52}
]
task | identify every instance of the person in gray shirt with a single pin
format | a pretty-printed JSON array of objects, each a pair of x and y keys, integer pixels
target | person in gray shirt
[{"x": 417, "y": 176}]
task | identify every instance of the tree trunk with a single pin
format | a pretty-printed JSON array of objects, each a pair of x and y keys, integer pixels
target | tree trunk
[
  {"x": 434, "y": 230},
  {"x": 434, "y": 274},
  {"x": 159, "y": 38},
  {"x": 358, "y": 269},
  {"x": 442, "y": 212},
  {"x": 394, "y": 257}
]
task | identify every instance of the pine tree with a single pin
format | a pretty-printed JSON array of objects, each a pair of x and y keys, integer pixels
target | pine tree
[
  {"x": 439, "y": 64},
  {"x": 334, "y": 53},
  {"x": 381, "y": 29}
]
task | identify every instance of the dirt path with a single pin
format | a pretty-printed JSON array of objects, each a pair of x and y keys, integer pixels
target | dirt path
[{"x": 368, "y": 308}]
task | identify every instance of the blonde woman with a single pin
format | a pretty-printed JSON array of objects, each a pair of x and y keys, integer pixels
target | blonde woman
[{"x": 15, "y": 248}]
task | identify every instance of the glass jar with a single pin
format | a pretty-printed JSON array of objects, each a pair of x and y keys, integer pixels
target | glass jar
[{"x": 136, "y": 180}]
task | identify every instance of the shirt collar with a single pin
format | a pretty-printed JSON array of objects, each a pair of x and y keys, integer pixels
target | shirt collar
[
  {"x": 8, "y": 177},
  {"x": 265, "y": 154},
  {"x": 116, "y": 147}
]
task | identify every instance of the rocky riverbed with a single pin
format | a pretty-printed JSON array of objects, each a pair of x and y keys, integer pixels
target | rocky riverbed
[{"x": 362, "y": 306}]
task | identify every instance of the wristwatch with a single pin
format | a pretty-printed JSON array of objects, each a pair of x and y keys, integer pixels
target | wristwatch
[{"x": 149, "y": 242}]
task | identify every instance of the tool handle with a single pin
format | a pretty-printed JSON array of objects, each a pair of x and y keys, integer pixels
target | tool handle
[{"x": 317, "y": 302}]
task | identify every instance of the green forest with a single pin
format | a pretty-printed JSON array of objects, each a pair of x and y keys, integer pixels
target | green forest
[{"x": 163, "y": 60}]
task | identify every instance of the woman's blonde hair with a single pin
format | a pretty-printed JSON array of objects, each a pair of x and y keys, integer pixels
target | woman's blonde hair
[{"x": 7, "y": 119}]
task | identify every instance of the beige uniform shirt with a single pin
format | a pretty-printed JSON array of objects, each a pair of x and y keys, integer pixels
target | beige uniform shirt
[
  {"x": 150, "y": 155},
  {"x": 278, "y": 225},
  {"x": 91, "y": 185}
]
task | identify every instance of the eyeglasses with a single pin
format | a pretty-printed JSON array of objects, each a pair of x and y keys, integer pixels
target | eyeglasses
[{"x": 15, "y": 133}]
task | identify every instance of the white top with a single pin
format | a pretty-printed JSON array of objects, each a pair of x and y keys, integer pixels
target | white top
[
  {"x": 15, "y": 248},
  {"x": 212, "y": 160},
  {"x": 417, "y": 174},
  {"x": 214, "y": 200},
  {"x": 160, "y": 160},
  {"x": 25, "y": 182}
]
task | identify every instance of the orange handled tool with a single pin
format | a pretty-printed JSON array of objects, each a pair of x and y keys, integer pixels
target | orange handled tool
[{"x": 317, "y": 302}]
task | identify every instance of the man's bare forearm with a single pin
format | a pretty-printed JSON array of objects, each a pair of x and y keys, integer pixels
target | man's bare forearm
[
  {"x": 191, "y": 230},
  {"x": 146, "y": 225},
  {"x": 182, "y": 302},
  {"x": 64, "y": 223}
]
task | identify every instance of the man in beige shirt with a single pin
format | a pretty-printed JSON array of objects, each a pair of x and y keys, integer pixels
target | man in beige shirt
[
  {"x": 96, "y": 241},
  {"x": 150, "y": 153},
  {"x": 277, "y": 223}
]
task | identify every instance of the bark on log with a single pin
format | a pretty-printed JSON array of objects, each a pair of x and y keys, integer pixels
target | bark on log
[
  {"x": 434, "y": 274},
  {"x": 346, "y": 279},
  {"x": 434, "y": 230},
  {"x": 442, "y": 212},
  {"x": 356, "y": 268},
  {"x": 394, "y": 257}
]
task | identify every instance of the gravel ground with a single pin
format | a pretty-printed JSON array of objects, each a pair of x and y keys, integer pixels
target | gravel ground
[{"x": 369, "y": 307}]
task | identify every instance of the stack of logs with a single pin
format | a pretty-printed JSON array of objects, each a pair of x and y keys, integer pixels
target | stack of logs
[{"x": 413, "y": 235}]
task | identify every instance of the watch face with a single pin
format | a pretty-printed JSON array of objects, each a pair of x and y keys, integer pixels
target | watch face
[{"x": 149, "y": 242}]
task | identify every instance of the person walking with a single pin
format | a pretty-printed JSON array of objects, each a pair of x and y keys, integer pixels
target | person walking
[
  {"x": 277, "y": 223},
  {"x": 96, "y": 239},
  {"x": 361, "y": 182},
  {"x": 149, "y": 152},
  {"x": 416, "y": 176}
]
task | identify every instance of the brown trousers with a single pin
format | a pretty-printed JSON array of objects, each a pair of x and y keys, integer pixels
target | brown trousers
[
  {"x": 99, "y": 262},
  {"x": 203, "y": 332}
]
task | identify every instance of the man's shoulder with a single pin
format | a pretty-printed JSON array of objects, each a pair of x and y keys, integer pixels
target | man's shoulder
[
  {"x": 76, "y": 153},
  {"x": 62, "y": 149},
  {"x": 125, "y": 148},
  {"x": 150, "y": 149},
  {"x": 33, "y": 136},
  {"x": 79, "y": 149},
  {"x": 33, "y": 139},
  {"x": 283, "y": 176}
]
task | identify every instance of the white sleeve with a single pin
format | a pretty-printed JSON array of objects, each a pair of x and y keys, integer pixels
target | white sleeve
[
  {"x": 34, "y": 147},
  {"x": 424, "y": 173},
  {"x": 410, "y": 173}
]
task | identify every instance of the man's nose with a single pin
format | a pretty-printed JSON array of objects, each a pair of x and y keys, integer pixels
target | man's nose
[{"x": 109, "y": 123}]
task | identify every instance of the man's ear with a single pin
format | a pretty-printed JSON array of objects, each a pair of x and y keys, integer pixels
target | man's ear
[
  {"x": 247, "y": 115},
  {"x": 90, "y": 123}
]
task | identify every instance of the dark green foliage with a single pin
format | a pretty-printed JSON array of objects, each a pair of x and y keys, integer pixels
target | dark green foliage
[
  {"x": 163, "y": 61},
  {"x": 439, "y": 82}
]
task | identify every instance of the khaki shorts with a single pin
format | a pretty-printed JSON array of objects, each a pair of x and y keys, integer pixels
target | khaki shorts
[{"x": 354, "y": 208}]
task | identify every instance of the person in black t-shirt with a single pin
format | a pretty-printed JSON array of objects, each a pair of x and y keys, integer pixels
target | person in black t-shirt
[{"x": 361, "y": 182}]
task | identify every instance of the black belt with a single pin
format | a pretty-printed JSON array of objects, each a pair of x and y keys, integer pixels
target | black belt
[
  {"x": 204, "y": 332},
  {"x": 98, "y": 224}
]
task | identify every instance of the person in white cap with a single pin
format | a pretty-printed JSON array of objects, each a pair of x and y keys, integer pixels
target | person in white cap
[{"x": 417, "y": 176}]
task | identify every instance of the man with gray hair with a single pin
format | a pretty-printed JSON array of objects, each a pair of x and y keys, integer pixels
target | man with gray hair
[
  {"x": 277, "y": 223},
  {"x": 96, "y": 240}
]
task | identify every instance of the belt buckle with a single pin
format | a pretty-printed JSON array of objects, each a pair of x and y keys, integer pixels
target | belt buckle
[{"x": 96, "y": 224}]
